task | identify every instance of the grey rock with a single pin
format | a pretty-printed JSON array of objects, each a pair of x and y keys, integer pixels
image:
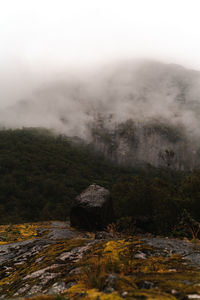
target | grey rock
[
  {"x": 20, "y": 251},
  {"x": 140, "y": 255},
  {"x": 110, "y": 283},
  {"x": 40, "y": 272},
  {"x": 57, "y": 287},
  {"x": 187, "y": 282},
  {"x": 63, "y": 233},
  {"x": 189, "y": 251},
  {"x": 46, "y": 277},
  {"x": 76, "y": 271},
  {"x": 92, "y": 210},
  {"x": 145, "y": 285},
  {"x": 193, "y": 296},
  {"x": 124, "y": 294},
  {"x": 109, "y": 290},
  {"x": 174, "y": 292},
  {"x": 70, "y": 284},
  {"x": 34, "y": 290},
  {"x": 75, "y": 254},
  {"x": 103, "y": 235},
  {"x": 22, "y": 290}
]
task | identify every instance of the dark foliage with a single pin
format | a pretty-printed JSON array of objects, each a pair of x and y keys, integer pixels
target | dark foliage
[{"x": 40, "y": 174}]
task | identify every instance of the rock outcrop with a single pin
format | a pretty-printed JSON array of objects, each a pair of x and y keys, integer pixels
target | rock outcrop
[
  {"x": 58, "y": 262},
  {"x": 154, "y": 143},
  {"x": 92, "y": 209}
]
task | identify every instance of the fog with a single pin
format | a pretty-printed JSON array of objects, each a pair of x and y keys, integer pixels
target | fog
[
  {"x": 141, "y": 90},
  {"x": 65, "y": 65}
]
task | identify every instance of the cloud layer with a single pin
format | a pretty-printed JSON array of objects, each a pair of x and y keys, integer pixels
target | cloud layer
[{"x": 143, "y": 91}]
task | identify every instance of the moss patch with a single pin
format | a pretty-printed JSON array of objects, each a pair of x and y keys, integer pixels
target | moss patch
[
  {"x": 12, "y": 282},
  {"x": 137, "y": 270},
  {"x": 167, "y": 275},
  {"x": 21, "y": 232}
]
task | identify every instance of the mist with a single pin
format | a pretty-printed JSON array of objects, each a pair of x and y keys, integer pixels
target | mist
[
  {"x": 71, "y": 102},
  {"x": 70, "y": 65}
]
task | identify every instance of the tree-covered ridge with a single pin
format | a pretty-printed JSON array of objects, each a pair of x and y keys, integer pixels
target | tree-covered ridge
[{"x": 41, "y": 173}]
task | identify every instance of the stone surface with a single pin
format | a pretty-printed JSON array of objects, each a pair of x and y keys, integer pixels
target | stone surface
[
  {"x": 75, "y": 254},
  {"x": 92, "y": 209},
  {"x": 39, "y": 269},
  {"x": 103, "y": 235},
  {"x": 110, "y": 283},
  {"x": 188, "y": 250},
  {"x": 58, "y": 267},
  {"x": 140, "y": 255},
  {"x": 146, "y": 284},
  {"x": 58, "y": 287}
]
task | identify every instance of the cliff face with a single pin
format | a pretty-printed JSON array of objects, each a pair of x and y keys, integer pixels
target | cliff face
[
  {"x": 149, "y": 115},
  {"x": 135, "y": 144}
]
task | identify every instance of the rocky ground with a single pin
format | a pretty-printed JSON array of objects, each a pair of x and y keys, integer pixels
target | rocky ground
[{"x": 50, "y": 260}]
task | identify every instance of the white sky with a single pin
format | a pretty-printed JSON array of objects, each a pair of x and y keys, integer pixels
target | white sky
[{"x": 55, "y": 33}]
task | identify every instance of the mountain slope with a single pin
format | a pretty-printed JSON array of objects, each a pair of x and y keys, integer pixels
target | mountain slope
[
  {"x": 41, "y": 173},
  {"x": 143, "y": 110}
]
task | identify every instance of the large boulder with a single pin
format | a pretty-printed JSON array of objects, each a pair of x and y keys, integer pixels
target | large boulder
[{"x": 92, "y": 209}]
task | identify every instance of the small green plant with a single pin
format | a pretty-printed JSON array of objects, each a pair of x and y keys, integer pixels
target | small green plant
[
  {"x": 112, "y": 229},
  {"x": 188, "y": 225},
  {"x": 126, "y": 225},
  {"x": 195, "y": 241},
  {"x": 9, "y": 228},
  {"x": 59, "y": 297},
  {"x": 94, "y": 276}
]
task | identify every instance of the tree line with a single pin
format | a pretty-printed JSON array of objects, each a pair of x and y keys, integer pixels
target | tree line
[{"x": 41, "y": 173}]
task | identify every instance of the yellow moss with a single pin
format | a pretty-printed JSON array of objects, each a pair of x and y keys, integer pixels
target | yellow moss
[
  {"x": 41, "y": 297},
  {"x": 80, "y": 291},
  {"x": 20, "y": 232},
  {"x": 152, "y": 295},
  {"x": 183, "y": 283},
  {"x": 11, "y": 282},
  {"x": 93, "y": 294},
  {"x": 118, "y": 257},
  {"x": 56, "y": 249},
  {"x": 27, "y": 230},
  {"x": 3, "y": 243},
  {"x": 115, "y": 248},
  {"x": 77, "y": 288}
]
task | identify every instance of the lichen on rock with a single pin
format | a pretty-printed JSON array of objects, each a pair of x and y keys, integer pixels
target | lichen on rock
[{"x": 82, "y": 267}]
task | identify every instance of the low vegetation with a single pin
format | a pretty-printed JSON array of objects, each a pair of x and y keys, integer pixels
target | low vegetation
[
  {"x": 110, "y": 269},
  {"x": 157, "y": 276},
  {"x": 21, "y": 232},
  {"x": 121, "y": 267}
]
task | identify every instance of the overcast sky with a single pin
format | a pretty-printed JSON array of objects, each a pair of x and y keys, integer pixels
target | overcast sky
[
  {"x": 43, "y": 35},
  {"x": 78, "y": 32}
]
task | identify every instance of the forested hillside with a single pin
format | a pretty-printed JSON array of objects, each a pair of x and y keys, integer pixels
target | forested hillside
[
  {"x": 41, "y": 173},
  {"x": 133, "y": 112}
]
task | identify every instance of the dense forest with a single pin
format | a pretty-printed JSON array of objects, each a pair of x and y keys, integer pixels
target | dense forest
[{"x": 41, "y": 173}]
